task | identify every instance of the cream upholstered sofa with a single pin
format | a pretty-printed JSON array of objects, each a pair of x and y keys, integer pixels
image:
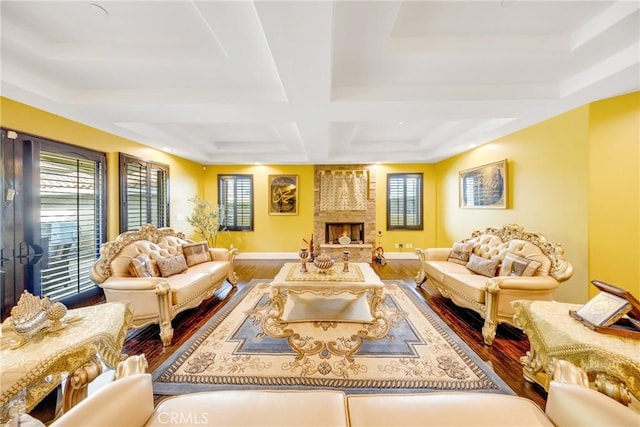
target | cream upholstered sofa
[
  {"x": 493, "y": 268},
  {"x": 128, "y": 401},
  {"x": 161, "y": 273}
]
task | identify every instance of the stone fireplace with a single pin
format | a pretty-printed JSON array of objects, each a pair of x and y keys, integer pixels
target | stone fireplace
[{"x": 359, "y": 225}]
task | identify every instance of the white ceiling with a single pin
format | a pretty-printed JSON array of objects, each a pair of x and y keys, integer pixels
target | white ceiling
[{"x": 317, "y": 82}]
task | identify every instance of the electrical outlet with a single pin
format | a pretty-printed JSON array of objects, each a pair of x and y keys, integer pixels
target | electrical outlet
[
  {"x": 408, "y": 245},
  {"x": 397, "y": 245}
]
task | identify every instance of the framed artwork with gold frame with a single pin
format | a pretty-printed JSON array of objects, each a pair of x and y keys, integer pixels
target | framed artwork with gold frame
[
  {"x": 484, "y": 186},
  {"x": 283, "y": 194}
]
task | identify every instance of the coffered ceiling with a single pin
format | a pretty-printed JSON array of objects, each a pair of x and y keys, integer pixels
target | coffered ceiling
[{"x": 316, "y": 82}]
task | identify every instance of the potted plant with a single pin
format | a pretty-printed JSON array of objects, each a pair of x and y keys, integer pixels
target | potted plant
[{"x": 207, "y": 220}]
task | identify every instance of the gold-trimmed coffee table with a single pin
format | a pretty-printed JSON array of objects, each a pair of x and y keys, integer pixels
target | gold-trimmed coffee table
[
  {"x": 353, "y": 296},
  {"x": 352, "y": 300}
]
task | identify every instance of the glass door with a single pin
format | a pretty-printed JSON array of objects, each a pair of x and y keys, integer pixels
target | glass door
[
  {"x": 52, "y": 221},
  {"x": 20, "y": 256}
]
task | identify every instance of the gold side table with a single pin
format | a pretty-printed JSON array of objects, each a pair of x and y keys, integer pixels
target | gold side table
[
  {"x": 30, "y": 372},
  {"x": 611, "y": 362}
]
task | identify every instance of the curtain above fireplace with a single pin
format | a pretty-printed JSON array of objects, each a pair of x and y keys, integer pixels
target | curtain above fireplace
[{"x": 343, "y": 190}]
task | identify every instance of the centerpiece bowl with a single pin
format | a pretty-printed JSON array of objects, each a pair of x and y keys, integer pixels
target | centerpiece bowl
[{"x": 323, "y": 263}]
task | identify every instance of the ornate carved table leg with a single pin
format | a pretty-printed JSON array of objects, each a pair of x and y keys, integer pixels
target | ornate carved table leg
[
  {"x": 613, "y": 388},
  {"x": 533, "y": 368},
  {"x": 75, "y": 388}
]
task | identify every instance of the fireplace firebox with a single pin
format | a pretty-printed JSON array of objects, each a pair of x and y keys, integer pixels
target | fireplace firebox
[{"x": 335, "y": 230}]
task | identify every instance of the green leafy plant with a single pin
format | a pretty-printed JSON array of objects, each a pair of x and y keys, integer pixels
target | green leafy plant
[{"x": 207, "y": 220}]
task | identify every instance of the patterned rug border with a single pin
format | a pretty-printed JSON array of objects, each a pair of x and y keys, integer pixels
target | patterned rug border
[{"x": 491, "y": 383}]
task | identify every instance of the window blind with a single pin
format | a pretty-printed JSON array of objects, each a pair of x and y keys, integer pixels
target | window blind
[
  {"x": 236, "y": 194},
  {"x": 144, "y": 193},
  {"x": 404, "y": 202},
  {"x": 71, "y": 222}
]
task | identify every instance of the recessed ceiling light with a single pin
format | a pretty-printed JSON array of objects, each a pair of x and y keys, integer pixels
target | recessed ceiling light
[
  {"x": 99, "y": 10},
  {"x": 400, "y": 123}
]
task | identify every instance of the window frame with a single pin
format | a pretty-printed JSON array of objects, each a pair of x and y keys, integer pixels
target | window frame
[
  {"x": 223, "y": 200},
  {"x": 165, "y": 221},
  {"x": 418, "y": 205},
  {"x": 99, "y": 158}
]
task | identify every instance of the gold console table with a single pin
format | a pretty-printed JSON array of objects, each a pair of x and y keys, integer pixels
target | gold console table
[
  {"x": 611, "y": 362},
  {"x": 30, "y": 372}
]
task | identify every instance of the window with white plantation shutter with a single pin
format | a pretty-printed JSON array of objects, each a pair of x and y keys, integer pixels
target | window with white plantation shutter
[
  {"x": 236, "y": 194},
  {"x": 404, "y": 201},
  {"x": 72, "y": 219},
  {"x": 144, "y": 193}
]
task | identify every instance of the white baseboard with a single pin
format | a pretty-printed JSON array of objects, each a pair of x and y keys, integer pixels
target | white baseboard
[
  {"x": 400, "y": 255},
  {"x": 294, "y": 255},
  {"x": 267, "y": 255}
]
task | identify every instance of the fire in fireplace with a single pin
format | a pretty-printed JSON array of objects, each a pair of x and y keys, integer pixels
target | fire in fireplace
[{"x": 335, "y": 230}]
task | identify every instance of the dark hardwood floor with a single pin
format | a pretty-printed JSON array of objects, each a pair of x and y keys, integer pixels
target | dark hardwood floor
[{"x": 504, "y": 355}]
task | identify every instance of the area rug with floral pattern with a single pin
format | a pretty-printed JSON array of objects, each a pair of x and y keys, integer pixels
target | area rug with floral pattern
[{"x": 408, "y": 348}]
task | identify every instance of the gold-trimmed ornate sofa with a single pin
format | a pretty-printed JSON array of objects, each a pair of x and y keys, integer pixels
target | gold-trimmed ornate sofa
[
  {"x": 149, "y": 269},
  {"x": 128, "y": 401},
  {"x": 536, "y": 267}
]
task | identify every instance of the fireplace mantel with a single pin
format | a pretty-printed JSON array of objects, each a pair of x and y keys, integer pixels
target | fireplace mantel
[{"x": 357, "y": 252}]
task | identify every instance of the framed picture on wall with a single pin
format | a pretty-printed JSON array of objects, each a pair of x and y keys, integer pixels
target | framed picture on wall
[
  {"x": 484, "y": 186},
  {"x": 283, "y": 194}
]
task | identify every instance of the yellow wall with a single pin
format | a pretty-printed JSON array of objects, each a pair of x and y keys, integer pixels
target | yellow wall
[
  {"x": 614, "y": 192},
  {"x": 548, "y": 191},
  {"x": 419, "y": 239},
  {"x": 282, "y": 233},
  {"x": 185, "y": 176},
  {"x": 272, "y": 233},
  {"x": 573, "y": 178}
]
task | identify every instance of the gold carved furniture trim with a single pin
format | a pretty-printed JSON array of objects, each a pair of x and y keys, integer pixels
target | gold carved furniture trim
[
  {"x": 612, "y": 363},
  {"x": 102, "y": 269},
  {"x": 76, "y": 352},
  {"x": 560, "y": 269}
]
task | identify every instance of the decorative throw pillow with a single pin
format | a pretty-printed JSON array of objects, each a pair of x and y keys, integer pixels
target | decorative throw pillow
[
  {"x": 515, "y": 265},
  {"x": 172, "y": 265},
  {"x": 483, "y": 266},
  {"x": 196, "y": 253},
  {"x": 460, "y": 252},
  {"x": 142, "y": 266}
]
